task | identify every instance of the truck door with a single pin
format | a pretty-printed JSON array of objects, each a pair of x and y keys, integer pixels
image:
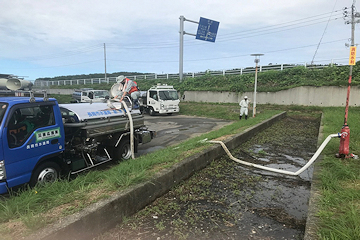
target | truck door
[
  {"x": 153, "y": 100},
  {"x": 31, "y": 134},
  {"x": 153, "y": 95}
]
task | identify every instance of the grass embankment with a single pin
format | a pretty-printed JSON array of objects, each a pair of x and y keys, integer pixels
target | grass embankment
[
  {"x": 268, "y": 81},
  {"x": 26, "y": 211},
  {"x": 339, "y": 208}
]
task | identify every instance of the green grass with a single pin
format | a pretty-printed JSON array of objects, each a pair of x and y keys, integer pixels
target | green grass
[
  {"x": 340, "y": 180},
  {"x": 37, "y": 207},
  {"x": 61, "y": 98},
  {"x": 339, "y": 208}
]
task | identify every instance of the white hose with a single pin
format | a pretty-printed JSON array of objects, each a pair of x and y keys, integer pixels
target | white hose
[
  {"x": 131, "y": 129},
  {"x": 314, "y": 157}
]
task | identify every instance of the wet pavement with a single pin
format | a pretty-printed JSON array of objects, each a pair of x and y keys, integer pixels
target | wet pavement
[
  {"x": 173, "y": 129},
  {"x": 230, "y": 201}
]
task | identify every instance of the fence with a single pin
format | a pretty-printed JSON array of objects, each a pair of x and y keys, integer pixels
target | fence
[{"x": 240, "y": 71}]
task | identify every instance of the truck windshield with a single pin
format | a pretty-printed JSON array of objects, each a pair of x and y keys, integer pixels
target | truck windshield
[
  {"x": 168, "y": 95},
  {"x": 3, "y": 107},
  {"x": 101, "y": 94}
]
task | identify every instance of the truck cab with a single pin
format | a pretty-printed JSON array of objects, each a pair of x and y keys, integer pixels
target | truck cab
[
  {"x": 160, "y": 99},
  {"x": 30, "y": 134}
]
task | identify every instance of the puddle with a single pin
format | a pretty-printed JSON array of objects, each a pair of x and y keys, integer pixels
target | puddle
[{"x": 231, "y": 201}]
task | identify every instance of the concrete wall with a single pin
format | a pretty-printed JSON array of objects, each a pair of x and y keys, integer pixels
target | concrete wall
[
  {"x": 307, "y": 96},
  {"x": 60, "y": 91}
]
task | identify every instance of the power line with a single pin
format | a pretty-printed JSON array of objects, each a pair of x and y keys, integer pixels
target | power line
[
  {"x": 218, "y": 58},
  {"x": 323, "y": 34},
  {"x": 281, "y": 50},
  {"x": 289, "y": 24},
  {"x": 225, "y": 38},
  {"x": 267, "y": 32},
  {"x": 228, "y": 37},
  {"x": 239, "y": 35},
  {"x": 188, "y": 60}
]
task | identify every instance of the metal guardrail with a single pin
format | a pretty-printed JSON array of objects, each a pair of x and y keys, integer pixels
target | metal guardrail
[{"x": 239, "y": 71}]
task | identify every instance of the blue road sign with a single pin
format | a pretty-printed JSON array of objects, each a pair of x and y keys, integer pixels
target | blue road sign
[{"x": 207, "y": 30}]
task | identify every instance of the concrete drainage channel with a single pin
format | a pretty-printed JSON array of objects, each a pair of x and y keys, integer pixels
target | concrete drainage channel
[{"x": 106, "y": 214}]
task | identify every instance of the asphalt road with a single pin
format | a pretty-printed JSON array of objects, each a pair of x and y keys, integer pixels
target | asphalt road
[{"x": 173, "y": 129}]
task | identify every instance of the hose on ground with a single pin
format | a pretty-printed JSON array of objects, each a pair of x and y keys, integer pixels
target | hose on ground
[{"x": 313, "y": 158}]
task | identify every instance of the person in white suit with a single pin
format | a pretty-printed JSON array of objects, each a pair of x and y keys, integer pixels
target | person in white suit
[{"x": 244, "y": 106}]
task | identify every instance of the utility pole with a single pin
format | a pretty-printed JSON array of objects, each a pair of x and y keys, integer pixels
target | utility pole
[
  {"x": 344, "y": 151},
  {"x": 105, "y": 62},
  {"x": 181, "y": 53},
  {"x": 352, "y": 21}
]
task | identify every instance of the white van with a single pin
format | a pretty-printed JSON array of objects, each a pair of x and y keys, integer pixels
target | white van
[{"x": 90, "y": 95}]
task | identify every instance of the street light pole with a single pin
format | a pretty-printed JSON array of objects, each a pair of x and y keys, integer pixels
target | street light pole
[{"x": 257, "y": 60}]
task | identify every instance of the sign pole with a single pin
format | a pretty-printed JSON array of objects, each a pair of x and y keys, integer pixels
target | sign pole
[{"x": 206, "y": 31}]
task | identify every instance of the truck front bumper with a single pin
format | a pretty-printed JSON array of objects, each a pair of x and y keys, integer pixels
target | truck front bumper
[{"x": 175, "y": 110}]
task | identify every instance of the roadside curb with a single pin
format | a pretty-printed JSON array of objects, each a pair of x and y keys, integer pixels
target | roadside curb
[
  {"x": 107, "y": 213},
  {"x": 312, "y": 219}
]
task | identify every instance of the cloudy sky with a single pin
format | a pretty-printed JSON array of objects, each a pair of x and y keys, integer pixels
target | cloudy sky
[{"x": 48, "y": 38}]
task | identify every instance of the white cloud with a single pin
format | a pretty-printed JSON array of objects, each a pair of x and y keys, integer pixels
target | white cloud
[{"x": 32, "y": 29}]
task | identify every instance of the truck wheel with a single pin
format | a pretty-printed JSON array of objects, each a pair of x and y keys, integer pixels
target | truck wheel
[
  {"x": 47, "y": 172},
  {"x": 151, "y": 111},
  {"x": 123, "y": 151}
]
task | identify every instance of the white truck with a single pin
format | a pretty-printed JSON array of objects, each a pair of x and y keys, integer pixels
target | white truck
[
  {"x": 90, "y": 95},
  {"x": 160, "y": 99}
]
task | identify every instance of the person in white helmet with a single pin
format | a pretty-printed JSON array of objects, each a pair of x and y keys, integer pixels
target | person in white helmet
[
  {"x": 129, "y": 87},
  {"x": 244, "y": 105}
]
